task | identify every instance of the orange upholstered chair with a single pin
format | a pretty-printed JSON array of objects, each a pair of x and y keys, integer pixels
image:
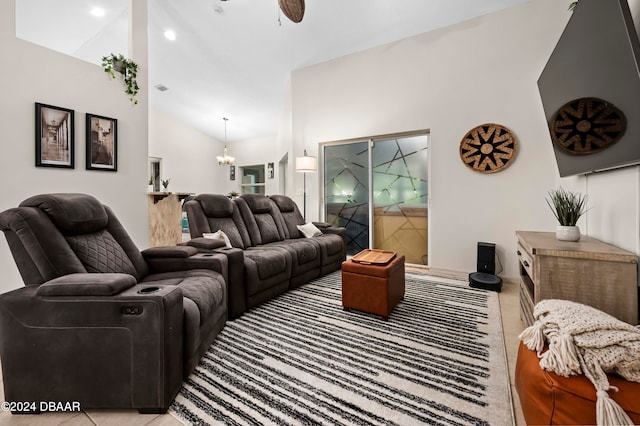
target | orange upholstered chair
[{"x": 549, "y": 399}]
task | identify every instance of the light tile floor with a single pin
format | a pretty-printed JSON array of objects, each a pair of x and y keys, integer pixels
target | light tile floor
[{"x": 512, "y": 325}]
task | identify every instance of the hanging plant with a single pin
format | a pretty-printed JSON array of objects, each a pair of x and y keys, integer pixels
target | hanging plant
[{"x": 127, "y": 68}]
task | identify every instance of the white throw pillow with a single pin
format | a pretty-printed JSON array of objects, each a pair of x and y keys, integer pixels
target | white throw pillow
[
  {"x": 218, "y": 235},
  {"x": 309, "y": 230}
]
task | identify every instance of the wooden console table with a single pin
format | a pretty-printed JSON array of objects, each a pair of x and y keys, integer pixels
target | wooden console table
[
  {"x": 588, "y": 271},
  {"x": 165, "y": 218}
]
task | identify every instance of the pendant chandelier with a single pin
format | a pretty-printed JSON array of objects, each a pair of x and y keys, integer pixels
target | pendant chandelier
[{"x": 225, "y": 160}]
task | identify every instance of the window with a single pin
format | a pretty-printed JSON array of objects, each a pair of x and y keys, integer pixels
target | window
[{"x": 253, "y": 179}]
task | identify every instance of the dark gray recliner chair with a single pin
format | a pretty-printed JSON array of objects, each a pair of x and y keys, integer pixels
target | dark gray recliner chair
[
  {"x": 266, "y": 271},
  {"x": 98, "y": 321},
  {"x": 332, "y": 242},
  {"x": 268, "y": 230}
]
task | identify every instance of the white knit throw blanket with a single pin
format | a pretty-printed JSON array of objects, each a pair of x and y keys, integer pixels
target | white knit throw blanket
[{"x": 584, "y": 340}]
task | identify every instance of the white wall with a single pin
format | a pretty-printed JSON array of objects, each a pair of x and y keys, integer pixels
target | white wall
[
  {"x": 29, "y": 74},
  {"x": 449, "y": 81},
  {"x": 188, "y": 155},
  {"x": 285, "y": 145},
  {"x": 613, "y": 199},
  {"x": 255, "y": 152}
]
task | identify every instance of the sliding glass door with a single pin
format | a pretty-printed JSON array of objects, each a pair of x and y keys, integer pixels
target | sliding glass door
[
  {"x": 400, "y": 214},
  {"x": 346, "y": 191},
  {"x": 378, "y": 190}
]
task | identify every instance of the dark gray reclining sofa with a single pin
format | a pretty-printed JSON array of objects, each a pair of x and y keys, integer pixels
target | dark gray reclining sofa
[
  {"x": 276, "y": 254},
  {"x": 99, "y": 322}
]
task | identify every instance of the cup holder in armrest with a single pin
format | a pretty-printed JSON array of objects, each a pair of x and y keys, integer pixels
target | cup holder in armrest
[{"x": 148, "y": 290}]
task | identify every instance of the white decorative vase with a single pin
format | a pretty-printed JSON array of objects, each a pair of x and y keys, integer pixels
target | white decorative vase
[
  {"x": 567, "y": 233},
  {"x": 150, "y": 189}
]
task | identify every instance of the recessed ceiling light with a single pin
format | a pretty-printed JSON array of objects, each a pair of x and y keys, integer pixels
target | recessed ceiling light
[
  {"x": 97, "y": 12},
  {"x": 170, "y": 35}
]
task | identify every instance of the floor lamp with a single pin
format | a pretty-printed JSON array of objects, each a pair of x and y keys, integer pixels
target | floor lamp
[{"x": 306, "y": 164}]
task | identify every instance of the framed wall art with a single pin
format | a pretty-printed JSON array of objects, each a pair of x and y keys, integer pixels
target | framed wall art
[
  {"x": 54, "y": 136},
  {"x": 102, "y": 143},
  {"x": 232, "y": 172}
]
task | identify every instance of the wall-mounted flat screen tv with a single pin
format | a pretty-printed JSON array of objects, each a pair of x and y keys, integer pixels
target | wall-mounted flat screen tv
[{"x": 596, "y": 57}]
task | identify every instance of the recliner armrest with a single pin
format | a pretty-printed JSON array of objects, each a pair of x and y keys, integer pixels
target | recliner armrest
[
  {"x": 321, "y": 225},
  {"x": 334, "y": 230},
  {"x": 86, "y": 284},
  {"x": 327, "y": 228},
  {"x": 187, "y": 258},
  {"x": 182, "y": 258},
  {"x": 234, "y": 273},
  {"x": 205, "y": 243},
  {"x": 169, "y": 252}
]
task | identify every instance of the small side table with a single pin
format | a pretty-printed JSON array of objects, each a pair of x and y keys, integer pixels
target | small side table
[{"x": 375, "y": 288}]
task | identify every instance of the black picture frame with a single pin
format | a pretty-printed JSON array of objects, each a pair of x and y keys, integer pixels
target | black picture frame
[
  {"x": 269, "y": 170},
  {"x": 101, "y": 143},
  {"x": 54, "y": 136},
  {"x": 232, "y": 172}
]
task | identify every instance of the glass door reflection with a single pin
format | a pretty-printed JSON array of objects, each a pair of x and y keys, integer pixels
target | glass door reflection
[
  {"x": 346, "y": 191},
  {"x": 400, "y": 196},
  {"x": 391, "y": 173}
]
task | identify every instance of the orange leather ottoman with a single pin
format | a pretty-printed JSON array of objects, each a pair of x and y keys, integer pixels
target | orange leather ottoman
[
  {"x": 373, "y": 288},
  {"x": 549, "y": 399}
]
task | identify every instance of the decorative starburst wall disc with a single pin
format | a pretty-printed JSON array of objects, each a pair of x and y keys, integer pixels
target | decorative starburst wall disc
[
  {"x": 587, "y": 125},
  {"x": 488, "y": 148}
]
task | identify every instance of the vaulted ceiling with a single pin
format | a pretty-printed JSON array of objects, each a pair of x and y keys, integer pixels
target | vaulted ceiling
[{"x": 234, "y": 58}]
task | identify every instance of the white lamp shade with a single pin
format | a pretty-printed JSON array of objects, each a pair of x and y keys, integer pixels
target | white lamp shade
[{"x": 306, "y": 164}]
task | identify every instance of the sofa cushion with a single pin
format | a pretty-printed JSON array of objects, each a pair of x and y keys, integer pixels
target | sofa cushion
[
  {"x": 269, "y": 262},
  {"x": 100, "y": 252},
  {"x": 284, "y": 203},
  {"x": 215, "y": 205},
  {"x": 289, "y": 215},
  {"x": 87, "y": 285},
  {"x": 257, "y": 203},
  {"x": 73, "y": 214},
  {"x": 302, "y": 251},
  {"x": 268, "y": 228},
  {"x": 204, "y": 287},
  {"x": 334, "y": 244}
]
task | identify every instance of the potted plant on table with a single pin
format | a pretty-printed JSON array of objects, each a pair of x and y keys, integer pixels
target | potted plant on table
[
  {"x": 567, "y": 207},
  {"x": 165, "y": 184}
]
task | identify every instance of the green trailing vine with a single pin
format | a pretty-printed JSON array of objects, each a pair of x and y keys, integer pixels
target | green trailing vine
[
  {"x": 127, "y": 68},
  {"x": 573, "y": 5}
]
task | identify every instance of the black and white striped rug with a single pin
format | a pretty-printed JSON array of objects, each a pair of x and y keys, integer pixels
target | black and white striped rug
[{"x": 301, "y": 360}]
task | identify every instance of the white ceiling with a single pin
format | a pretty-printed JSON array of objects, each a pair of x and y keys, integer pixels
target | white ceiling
[{"x": 234, "y": 58}]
